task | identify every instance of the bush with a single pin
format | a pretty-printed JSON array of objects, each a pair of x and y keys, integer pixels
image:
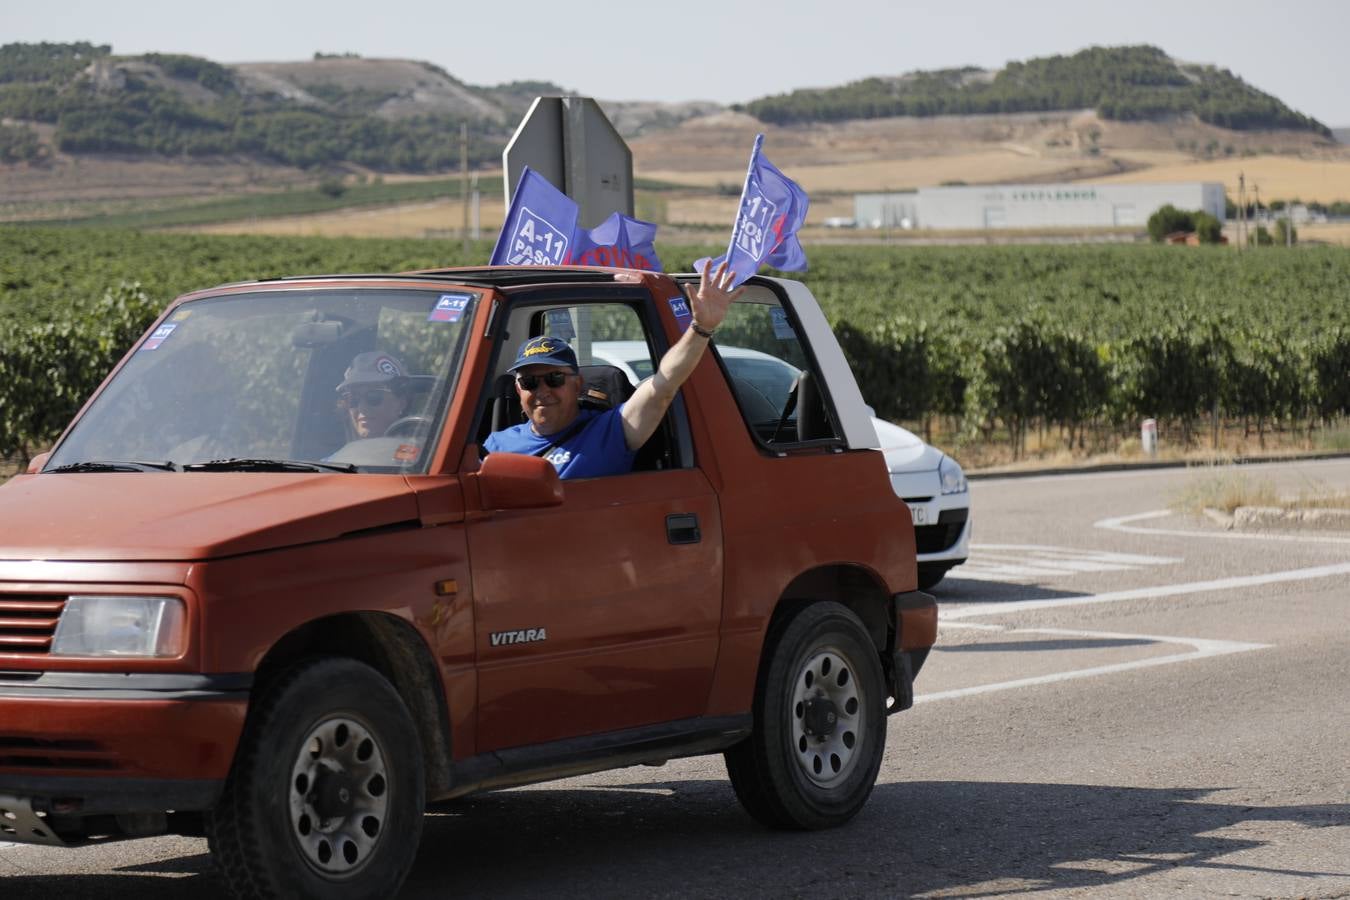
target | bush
[
  {"x": 50, "y": 367},
  {"x": 1207, "y": 229},
  {"x": 1169, "y": 220}
]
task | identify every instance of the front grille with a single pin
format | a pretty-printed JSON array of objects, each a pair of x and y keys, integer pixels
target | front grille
[
  {"x": 55, "y": 754},
  {"x": 28, "y": 622},
  {"x": 939, "y": 537}
]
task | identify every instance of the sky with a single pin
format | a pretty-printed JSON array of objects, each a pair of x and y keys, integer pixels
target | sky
[{"x": 722, "y": 50}]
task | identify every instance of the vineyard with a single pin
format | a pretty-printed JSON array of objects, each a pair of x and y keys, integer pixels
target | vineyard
[{"x": 986, "y": 344}]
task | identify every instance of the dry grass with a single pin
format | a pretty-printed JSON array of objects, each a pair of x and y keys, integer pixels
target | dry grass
[
  {"x": 1327, "y": 233},
  {"x": 880, "y": 175},
  {"x": 440, "y": 218},
  {"x": 1277, "y": 177},
  {"x": 1224, "y": 491},
  {"x": 1228, "y": 490}
]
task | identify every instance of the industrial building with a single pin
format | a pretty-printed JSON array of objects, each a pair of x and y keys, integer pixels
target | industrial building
[{"x": 1076, "y": 205}]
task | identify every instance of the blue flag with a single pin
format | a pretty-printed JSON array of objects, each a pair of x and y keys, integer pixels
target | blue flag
[
  {"x": 773, "y": 208},
  {"x": 541, "y": 230}
]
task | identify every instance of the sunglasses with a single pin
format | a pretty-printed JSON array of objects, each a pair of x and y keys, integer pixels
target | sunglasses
[
  {"x": 372, "y": 399},
  {"x": 552, "y": 379}
]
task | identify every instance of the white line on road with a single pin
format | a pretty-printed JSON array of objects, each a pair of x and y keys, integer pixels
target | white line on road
[
  {"x": 1164, "y": 590},
  {"x": 1204, "y": 648},
  {"x": 1008, "y": 562},
  {"x": 1123, "y": 523}
]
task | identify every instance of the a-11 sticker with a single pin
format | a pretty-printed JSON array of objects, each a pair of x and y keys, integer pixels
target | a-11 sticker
[
  {"x": 160, "y": 335},
  {"x": 680, "y": 308},
  {"x": 536, "y": 242},
  {"x": 752, "y": 228},
  {"x": 449, "y": 307}
]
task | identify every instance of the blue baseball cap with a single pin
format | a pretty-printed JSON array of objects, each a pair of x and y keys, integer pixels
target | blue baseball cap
[{"x": 545, "y": 351}]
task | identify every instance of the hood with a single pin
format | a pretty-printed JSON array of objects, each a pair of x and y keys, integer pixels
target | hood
[
  {"x": 188, "y": 516},
  {"x": 905, "y": 451}
]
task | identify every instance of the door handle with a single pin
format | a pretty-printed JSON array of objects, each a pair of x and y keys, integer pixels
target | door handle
[{"x": 682, "y": 528}]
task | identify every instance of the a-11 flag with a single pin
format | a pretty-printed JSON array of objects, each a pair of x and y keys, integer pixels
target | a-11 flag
[
  {"x": 773, "y": 208},
  {"x": 541, "y": 229}
]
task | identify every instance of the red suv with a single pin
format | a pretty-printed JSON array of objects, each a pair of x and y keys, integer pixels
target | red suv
[{"x": 229, "y": 607}]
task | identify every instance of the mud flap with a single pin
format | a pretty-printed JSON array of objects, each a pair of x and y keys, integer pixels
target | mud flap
[
  {"x": 19, "y": 823},
  {"x": 903, "y": 658}
]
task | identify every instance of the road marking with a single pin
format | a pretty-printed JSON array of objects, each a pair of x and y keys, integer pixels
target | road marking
[
  {"x": 1124, "y": 524},
  {"x": 1203, "y": 649},
  {"x": 1009, "y": 562},
  {"x": 1164, "y": 590}
]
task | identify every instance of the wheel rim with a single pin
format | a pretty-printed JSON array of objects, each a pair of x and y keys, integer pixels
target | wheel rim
[
  {"x": 339, "y": 795},
  {"x": 827, "y": 716}
]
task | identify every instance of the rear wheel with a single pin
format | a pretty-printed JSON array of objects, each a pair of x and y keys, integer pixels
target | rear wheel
[
  {"x": 819, "y": 723},
  {"x": 326, "y": 795}
]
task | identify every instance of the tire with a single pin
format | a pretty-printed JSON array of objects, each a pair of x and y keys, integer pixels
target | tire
[
  {"x": 326, "y": 795},
  {"x": 800, "y": 769},
  {"x": 930, "y": 574}
]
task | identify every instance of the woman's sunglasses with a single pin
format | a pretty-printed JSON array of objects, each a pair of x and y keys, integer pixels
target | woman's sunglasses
[
  {"x": 370, "y": 399},
  {"x": 552, "y": 379}
]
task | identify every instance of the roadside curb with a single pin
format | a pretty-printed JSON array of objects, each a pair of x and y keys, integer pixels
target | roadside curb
[{"x": 990, "y": 475}]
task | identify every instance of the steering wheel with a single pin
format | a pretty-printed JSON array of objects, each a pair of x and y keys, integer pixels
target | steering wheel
[{"x": 408, "y": 425}]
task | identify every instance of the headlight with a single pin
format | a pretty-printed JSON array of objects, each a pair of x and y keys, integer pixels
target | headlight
[
  {"x": 121, "y": 626},
  {"x": 953, "y": 479}
]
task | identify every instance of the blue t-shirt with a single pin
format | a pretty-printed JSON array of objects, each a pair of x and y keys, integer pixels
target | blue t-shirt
[{"x": 597, "y": 448}]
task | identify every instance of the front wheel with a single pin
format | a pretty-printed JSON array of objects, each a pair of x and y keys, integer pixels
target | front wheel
[
  {"x": 327, "y": 792},
  {"x": 819, "y": 723}
]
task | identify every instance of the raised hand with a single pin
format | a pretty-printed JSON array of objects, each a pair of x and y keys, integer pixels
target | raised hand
[{"x": 714, "y": 295}]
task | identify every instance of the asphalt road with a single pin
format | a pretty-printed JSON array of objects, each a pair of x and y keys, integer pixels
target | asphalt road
[{"x": 1123, "y": 702}]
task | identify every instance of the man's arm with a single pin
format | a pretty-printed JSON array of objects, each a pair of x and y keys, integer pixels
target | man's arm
[{"x": 644, "y": 410}]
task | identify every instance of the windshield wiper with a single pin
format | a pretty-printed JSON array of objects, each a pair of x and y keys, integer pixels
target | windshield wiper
[
  {"x": 94, "y": 465},
  {"x": 245, "y": 464}
]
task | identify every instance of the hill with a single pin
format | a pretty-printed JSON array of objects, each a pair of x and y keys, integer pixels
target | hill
[
  {"x": 88, "y": 134},
  {"x": 1120, "y": 83},
  {"x": 389, "y": 115}
]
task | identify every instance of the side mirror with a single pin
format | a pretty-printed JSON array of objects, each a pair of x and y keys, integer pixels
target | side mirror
[
  {"x": 517, "y": 481},
  {"x": 36, "y": 463}
]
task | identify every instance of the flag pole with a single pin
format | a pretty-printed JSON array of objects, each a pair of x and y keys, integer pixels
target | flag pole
[{"x": 749, "y": 170}]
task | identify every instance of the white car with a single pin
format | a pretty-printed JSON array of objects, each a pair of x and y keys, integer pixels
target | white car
[{"x": 928, "y": 480}]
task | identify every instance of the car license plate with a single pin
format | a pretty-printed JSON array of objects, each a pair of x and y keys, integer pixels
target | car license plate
[{"x": 919, "y": 514}]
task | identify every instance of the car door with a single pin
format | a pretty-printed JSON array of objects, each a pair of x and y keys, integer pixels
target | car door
[
  {"x": 603, "y": 613},
  {"x": 600, "y": 614}
]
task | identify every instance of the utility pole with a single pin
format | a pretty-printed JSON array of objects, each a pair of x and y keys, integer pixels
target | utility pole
[
  {"x": 1242, "y": 210},
  {"x": 464, "y": 187},
  {"x": 1256, "y": 213}
]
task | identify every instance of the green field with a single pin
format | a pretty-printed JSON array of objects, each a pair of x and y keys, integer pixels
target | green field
[{"x": 998, "y": 341}]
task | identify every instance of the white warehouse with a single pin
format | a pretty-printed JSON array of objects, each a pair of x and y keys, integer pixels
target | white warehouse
[{"x": 1034, "y": 205}]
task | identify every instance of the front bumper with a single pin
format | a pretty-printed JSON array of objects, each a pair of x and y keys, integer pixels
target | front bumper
[{"x": 84, "y": 744}]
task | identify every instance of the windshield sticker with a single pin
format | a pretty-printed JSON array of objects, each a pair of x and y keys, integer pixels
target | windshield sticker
[
  {"x": 406, "y": 452},
  {"x": 560, "y": 325},
  {"x": 180, "y": 315},
  {"x": 782, "y": 328},
  {"x": 680, "y": 307},
  {"x": 450, "y": 307},
  {"x": 160, "y": 335}
]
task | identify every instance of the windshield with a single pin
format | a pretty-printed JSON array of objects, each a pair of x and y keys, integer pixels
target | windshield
[{"x": 348, "y": 380}]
